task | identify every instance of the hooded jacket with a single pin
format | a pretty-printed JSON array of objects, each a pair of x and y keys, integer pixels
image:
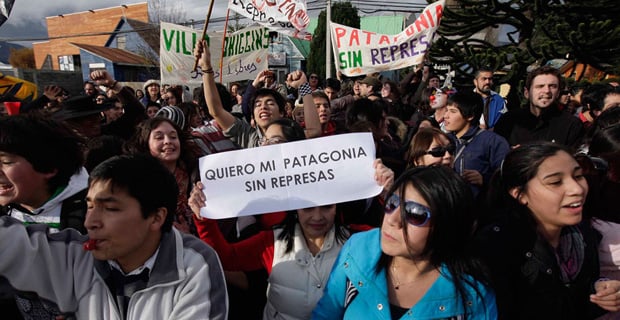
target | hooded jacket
[
  {"x": 186, "y": 282},
  {"x": 50, "y": 212}
]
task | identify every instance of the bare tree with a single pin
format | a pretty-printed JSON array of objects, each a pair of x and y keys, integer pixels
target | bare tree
[
  {"x": 234, "y": 24},
  {"x": 167, "y": 11},
  {"x": 22, "y": 58}
]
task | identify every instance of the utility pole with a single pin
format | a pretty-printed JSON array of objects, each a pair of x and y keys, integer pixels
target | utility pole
[{"x": 328, "y": 41}]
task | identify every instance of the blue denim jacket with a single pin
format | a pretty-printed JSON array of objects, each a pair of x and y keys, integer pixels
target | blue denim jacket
[{"x": 356, "y": 291}]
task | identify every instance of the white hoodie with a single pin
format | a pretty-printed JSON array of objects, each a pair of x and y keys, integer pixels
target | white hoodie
[{"x": 49, "y": 212}]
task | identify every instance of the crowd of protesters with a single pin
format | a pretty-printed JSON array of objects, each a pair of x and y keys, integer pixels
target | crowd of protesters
[{"x": 489, "y": 210}]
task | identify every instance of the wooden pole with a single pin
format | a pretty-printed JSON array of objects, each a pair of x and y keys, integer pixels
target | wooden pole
[
  {"x": 204, "y": 31},
  {"x": 223, "y": 48}
]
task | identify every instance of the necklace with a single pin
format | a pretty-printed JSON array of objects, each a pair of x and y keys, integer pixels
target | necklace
[{"x": 395, "y": 281}]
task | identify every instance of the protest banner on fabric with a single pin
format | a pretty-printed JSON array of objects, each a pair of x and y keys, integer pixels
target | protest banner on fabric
[
  {"x": 289, "y": 17},
  {"x": 246, "y": 53},
  {"x": 176, "y": 52},
  {"x": 289, "y": 176},
  {"x": 16, "y": 88},
  {"x": 358, "y": 52}
]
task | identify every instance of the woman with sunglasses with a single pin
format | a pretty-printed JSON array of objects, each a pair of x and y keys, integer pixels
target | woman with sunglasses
[
  {"x": 430, "y": 146},
  {"x": 415, "y": 266},
  {"x": 542, "y": 258}
]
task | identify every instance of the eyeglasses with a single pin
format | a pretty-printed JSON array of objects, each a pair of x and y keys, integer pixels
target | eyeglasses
[
  {"x": 270, "y": 141},
  {"x": 416, "y": 214},
  {"x": 314, "y": 77},
  {"x": 438, "y": 152},
  {"x": 100, "y": 99}
]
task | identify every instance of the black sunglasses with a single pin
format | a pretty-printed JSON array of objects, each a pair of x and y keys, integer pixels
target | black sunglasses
[
  {"x": 438, "y": 152},
  {"x": 416, "y": 214}
]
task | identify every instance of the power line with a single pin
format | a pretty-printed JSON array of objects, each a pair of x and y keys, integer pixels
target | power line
[{"x": 82, "y": 35}]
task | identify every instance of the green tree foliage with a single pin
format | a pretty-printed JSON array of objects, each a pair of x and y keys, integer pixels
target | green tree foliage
[
  {"x": 586, "y": 31},
  {"x": 342, "y": 13},
  {"x": 22, "y": 58}
]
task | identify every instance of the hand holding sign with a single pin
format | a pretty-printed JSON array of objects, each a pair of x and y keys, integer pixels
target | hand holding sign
[
  {"x": 290, "y": 176},
  {"x": 383, "y": 175},
  {"x": 203, "y": 55},
  {"x": 197, "y": 199}
]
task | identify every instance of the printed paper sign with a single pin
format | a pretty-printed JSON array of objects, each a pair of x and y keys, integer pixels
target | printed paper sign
[
  {"x": 289, "y": 176},
  {"x": 358, "y": 52},
  {"x": 289, "y": 17}
]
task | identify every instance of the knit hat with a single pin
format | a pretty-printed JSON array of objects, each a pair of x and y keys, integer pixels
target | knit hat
[
  {"x": 149, "y": 83},
  {"x": 173, "y": 113}
]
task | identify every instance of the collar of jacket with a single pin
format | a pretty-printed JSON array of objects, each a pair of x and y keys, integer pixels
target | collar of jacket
[{"x": 165, "y": 269}]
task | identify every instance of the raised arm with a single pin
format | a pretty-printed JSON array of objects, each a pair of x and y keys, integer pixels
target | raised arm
[
  {"x": 134, "y": 110},
  {"x": 311, "y": 116},
  {"x": 49, "y": 94},
  {"x": 223, "y": 118},
  {"x": 250, "y": 254},
  {"x": 249, "y": 92}
]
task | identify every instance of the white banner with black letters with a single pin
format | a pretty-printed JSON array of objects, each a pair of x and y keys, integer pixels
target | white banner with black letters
[{"x": 289, "y": 176}]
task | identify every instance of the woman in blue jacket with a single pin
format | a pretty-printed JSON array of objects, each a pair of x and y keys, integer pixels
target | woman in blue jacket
[{"x": 415, "y": 266}]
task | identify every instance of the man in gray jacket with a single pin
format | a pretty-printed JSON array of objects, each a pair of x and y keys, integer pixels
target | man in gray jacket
[
  {"x": 132, "y": 265},
  {"x": 41, "y": 181}
]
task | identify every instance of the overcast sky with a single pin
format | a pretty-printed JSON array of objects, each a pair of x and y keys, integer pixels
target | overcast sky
[{"x": 27, "y": 20}]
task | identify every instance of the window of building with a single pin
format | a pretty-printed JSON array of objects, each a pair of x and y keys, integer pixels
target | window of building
[
  {"x": 65, "y": 63},
  {"x": 121, "y": 42}
]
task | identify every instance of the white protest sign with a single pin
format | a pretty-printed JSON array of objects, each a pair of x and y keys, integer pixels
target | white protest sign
[
  {"x": 358, "y": 52},
  {"x": 176, "y": 53},
  {"x": 289, "y": 17},
  {"x": 246, "y": 53},
  {"x": 289, "y": 176}
]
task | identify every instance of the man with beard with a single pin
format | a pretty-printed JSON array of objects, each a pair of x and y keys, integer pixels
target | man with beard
[
  {"x": 542, "y": 119},
  {"x": 494, "y": 104}
]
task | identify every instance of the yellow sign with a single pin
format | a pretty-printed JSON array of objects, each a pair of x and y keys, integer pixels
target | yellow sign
[{"x": 11, "y": 87}]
